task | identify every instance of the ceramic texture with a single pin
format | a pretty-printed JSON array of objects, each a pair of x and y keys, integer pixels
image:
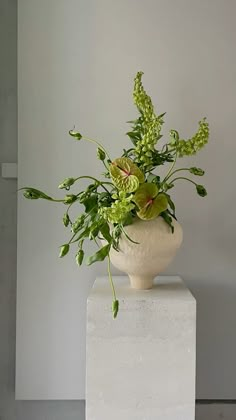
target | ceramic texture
[{"x": 155, "y": 250}]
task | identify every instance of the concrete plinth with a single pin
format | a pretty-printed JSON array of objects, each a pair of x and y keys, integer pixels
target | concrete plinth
[{"x": 141, "y": 366}]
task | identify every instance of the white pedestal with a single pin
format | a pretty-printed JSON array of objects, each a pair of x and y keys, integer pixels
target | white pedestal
[{"x": 141, "y": 366}]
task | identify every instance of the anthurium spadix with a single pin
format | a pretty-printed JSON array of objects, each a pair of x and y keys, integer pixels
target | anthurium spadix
[
  {"x": 149, "y": 202},
  {"x": 126, "y": 176}
]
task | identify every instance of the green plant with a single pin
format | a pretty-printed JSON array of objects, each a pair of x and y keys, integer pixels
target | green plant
[{"x": 129, "y": 187}]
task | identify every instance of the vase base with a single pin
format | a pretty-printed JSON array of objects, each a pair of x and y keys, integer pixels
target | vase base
[{"x": 141, "y": 282}]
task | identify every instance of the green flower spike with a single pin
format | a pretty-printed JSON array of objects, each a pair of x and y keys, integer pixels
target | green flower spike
[
  {"x": 149, "y": 202},
  {"x": 126, "y": 176},
  {"x": 196, "y": 143},
  {"x": 150, "y": 123}
]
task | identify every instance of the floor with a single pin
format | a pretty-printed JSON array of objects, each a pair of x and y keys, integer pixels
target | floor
[{"x": 216, "y": 411}]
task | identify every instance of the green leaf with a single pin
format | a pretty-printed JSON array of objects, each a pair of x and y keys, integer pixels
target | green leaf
[
  {"x": 126, "y": 176},
  {"x": 105, "y": 231},
  {"x": 168, "y": 219},
  {"x": 84, "y": 234},
  {"x": 79, "y": 257},
  {"x": 75, "y": 134},
  {"x": 134, "y": 136},
  {"x": 128, "y": 219},
  {"x": 115, "y": 308},
  {"x": 101, "y": 155},
  {"x": 90, "y": 203},
  {"x": 64, "y": 249},
  {"x": 201, "y": 190},
  {"x": 78, "y": 223},
  {"x": 171, "y": 203},
  {"x": 104, "y": 199},
  {"x": 197, "y": 171},
  {"x": 99, "y": 255},
  {"x": 128, "y": 237},
  {"x": 94, "y": 229}
]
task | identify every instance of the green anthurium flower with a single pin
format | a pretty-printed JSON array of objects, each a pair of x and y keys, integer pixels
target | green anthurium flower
[
  {"x": 126, "y": 176},
  {"x": 149, "y": 202}
]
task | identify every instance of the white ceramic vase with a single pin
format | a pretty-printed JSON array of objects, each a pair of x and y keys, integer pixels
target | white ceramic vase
[{"x": 155, "y": 250}]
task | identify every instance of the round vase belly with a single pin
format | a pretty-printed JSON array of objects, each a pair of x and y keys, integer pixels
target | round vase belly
[{"x": 155, "y": 250}]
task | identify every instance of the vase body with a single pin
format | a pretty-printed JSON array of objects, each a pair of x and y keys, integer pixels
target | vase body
[{"x": 155, "y": 250}]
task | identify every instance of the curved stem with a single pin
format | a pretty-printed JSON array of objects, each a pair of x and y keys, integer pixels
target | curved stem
[
  {"x": 95, "y": 179},
  {"x": 71, "y": 239},
  {"x": 68, "y": 208},
  {"x": 176, "y": 170},
  {"x": 170, "y": 170},
  {"x": 186, "y": 179},
  {"x": 110, "y": 278},
  {"x": 127, "y": 236},
  {"x": 55, "y": 200},
  {"x": 104, "y": 163},
  {"x": 98, "y": 144}
]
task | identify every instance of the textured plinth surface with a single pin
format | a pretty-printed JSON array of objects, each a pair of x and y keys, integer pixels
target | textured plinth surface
[{"x": 141, "y": 366}]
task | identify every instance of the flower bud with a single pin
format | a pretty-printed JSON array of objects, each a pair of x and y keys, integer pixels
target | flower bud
[
  {"x": 70, "y": 198},
  {"x": 66, "y": 220},
  {"x": 101, "y": 154},
  {"x": 64, "y": 250},
  {"x": 78, "y": 223},
  {"x": 201, "y": 190},
  {"x": 79, "y": 257},
  {"x": 31, "y": 195},
  {"x": 67, "y": 183},
  {"x": 174, "y": 136},
  {"x": 196, "y": 171},
  {"x": 115, "y": 308},
  {"x": 75, "y": 134}
]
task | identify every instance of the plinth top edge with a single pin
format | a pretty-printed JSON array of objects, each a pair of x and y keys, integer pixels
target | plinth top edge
[{"x": 165, "y": 288}]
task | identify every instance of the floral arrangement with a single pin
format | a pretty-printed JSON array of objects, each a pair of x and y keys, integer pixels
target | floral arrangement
[{"x": 130, "y": 185}]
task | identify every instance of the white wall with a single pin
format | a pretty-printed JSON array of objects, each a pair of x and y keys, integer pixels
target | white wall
[{"x": 77, "y": 60}]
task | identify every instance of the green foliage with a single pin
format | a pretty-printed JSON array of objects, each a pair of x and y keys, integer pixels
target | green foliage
[
  {"x": 168, "y": 219},
  {"x": 99, "y": 255},
  {"x": 130, "y": 185}
]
